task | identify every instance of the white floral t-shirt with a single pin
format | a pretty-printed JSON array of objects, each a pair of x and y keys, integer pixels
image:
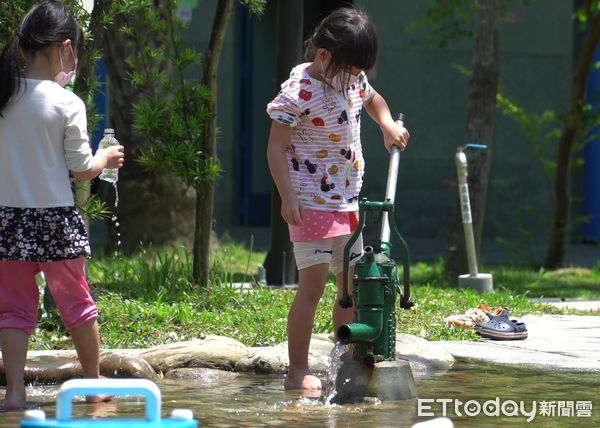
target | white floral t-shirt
[{"x": 325, "y": 157}]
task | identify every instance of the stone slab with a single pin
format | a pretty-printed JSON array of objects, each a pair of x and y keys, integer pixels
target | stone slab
[{"x": 555, "y": 342}]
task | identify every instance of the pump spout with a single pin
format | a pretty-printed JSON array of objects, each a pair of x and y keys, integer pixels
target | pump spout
[
  {"x": 357, "y": 332},
  {"x": 367, "y": 329}
]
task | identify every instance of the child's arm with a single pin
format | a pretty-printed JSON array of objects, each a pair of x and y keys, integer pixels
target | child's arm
[
  {"x": 279, "y": 139},
  {"x": 380, "y": 113},
  {"x": 110, "y": 157}
]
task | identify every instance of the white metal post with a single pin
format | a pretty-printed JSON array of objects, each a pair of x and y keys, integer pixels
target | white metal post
[
  {"x": 465, "y": 208},
  {"x": 481, "y": 282}
]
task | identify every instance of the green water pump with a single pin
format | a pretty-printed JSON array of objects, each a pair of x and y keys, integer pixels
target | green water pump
[{"x": 375, "y": 281}]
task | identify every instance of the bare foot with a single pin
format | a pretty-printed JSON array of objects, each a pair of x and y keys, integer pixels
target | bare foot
[
  {"x": 98, "y": 398},
  {"x": 303, "y": 381}
]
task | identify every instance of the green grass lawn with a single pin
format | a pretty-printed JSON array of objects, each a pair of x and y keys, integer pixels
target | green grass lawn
[
  {"x": 573, "y": 282},
  {"x": 147, "y": 299}
]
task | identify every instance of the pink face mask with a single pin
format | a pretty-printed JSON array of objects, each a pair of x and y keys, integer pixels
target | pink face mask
[{"x": 63, "y": 78}]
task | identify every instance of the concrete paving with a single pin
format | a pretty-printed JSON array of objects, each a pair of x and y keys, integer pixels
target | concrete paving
[{"x": 555, "y": 342}]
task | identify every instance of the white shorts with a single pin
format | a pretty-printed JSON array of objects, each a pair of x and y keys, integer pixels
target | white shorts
[{"x": 327, "y": 250}]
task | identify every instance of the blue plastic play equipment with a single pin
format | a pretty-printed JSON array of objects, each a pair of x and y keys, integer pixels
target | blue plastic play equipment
[{"x": 180, "y": 418}]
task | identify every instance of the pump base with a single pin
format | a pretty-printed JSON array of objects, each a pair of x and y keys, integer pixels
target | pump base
[
  {"x": 482, "y": 282},
  {"x": 386, "y": 380}
]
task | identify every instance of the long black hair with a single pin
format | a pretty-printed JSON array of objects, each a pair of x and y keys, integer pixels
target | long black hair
[
  {"x": 47, "y": 23},
  {"x": 350, "y": 38}
]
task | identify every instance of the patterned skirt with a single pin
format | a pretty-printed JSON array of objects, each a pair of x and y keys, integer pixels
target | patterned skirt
[{"x": 42, "y": 234}]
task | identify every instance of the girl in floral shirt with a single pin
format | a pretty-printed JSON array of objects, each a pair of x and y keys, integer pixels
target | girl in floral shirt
[{"x": 315, "y": 157}]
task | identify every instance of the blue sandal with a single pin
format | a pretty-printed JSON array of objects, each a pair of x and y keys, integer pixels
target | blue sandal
[{"x": 502, "y": 328}]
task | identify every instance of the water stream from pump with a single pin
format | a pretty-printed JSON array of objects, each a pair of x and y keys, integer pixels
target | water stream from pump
[{"x": 335, "y": 362}]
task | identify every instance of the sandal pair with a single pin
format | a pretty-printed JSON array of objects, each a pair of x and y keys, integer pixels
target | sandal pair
[
  {"x": 501, "y": 327},
  {"x": 470, "y": 318}
]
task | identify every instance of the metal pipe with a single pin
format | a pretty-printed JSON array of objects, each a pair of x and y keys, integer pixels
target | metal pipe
[
  {"x": 390, "y": 188},
  {"x": 465, "y": 207}
]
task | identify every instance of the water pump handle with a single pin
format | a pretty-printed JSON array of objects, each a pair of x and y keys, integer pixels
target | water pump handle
[{"x": 401, "y": 119}]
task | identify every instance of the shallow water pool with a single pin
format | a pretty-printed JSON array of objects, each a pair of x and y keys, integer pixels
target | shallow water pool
[{"x": 548, "y": 400}]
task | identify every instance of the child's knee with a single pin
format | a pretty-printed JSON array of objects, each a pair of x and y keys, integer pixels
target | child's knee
[{"x": 314, "y": 293}]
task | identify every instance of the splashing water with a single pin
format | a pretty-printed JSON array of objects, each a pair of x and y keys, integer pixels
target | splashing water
[
  {"x": 116, "y": 221},
  {"x": 116, "y": 194},
  {"x": 335, "y": 363},
  {"x": 116, "y": 224}
]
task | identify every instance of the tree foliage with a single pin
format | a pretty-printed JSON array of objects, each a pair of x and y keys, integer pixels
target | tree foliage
[
  {"x": 172, "y": 112},
  {"x": 175, "y": 112},
  {"x": 449, "y": 20}
]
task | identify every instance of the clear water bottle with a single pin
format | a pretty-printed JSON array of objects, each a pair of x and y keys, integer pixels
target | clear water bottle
[{"x": 109, "y": 174}]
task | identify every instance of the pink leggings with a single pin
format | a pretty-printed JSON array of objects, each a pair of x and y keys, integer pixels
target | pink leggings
[{"x": 19, "y": 293}]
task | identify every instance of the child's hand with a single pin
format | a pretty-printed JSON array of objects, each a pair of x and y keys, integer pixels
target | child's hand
[
  {"x": 115, "y": 156},
  {"x": 291, "y": 210},
  {"x": 394, "y": 134}
]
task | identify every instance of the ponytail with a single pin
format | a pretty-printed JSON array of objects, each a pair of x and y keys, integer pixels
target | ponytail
[
  {"x": 310, "y": 50},
  {"x": 10, "y": 72}
]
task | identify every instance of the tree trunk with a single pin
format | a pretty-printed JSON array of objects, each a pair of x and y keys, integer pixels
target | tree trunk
[
  {"x": 205, "y": 190},
  {"x": 481, "y": 114},
  {"x": 573, "y": 124},
  {"x": 152, "y": 207}
]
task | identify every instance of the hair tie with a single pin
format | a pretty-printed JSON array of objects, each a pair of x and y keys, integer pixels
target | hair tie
[{"x": 20, "y": 35}]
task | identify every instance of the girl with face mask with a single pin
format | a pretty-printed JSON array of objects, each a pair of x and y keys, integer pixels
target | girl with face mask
[
  {"x": 315, "y": 157},
  {"x": 44, "y": 140}
]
